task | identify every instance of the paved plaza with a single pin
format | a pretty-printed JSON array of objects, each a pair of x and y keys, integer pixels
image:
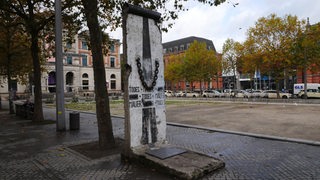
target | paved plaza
[
  {"x": 296, "y": 120},
  {"x": 39, "y": 152}
]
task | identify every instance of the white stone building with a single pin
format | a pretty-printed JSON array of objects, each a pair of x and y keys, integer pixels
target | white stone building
[{"x": 77, "y": 71}]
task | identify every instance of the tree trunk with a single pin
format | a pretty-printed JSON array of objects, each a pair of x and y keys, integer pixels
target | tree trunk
[
  {"x": 11, "y": 98},
  {"x": 38, "y": 112},
  {"x": 278, "y": 87},
  {"x": 217, "y": 81},
  {"x": 305, "y": 81},
  {"x": 106, "y": 138}
]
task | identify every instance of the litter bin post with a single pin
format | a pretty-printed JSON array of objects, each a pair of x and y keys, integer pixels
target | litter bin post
[{"x": 74, "y": 118}]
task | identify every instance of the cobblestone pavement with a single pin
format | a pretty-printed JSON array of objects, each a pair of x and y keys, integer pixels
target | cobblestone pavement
[{"x": 39, "y": 152}]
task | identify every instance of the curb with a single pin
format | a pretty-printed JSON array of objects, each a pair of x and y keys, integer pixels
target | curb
[
  {"x": 277, "y": 138},
  {"x": 269, "y": 137}
]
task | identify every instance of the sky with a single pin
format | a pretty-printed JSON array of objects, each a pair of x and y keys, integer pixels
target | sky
[{"x": 218, "y": 23}]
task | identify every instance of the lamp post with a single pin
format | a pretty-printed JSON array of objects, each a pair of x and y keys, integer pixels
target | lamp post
[{"x": 60, "y": 111}]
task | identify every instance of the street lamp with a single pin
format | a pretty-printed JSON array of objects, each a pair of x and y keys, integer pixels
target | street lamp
[{"x": 60, "y": 111}]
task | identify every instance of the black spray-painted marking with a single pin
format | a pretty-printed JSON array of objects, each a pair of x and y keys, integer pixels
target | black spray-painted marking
[
  {"x": 147, "y": 96},
  {"x": 134, "y": 89},
  {"x": 133, "y": 96},
  {"x": 149, "y": 116},
  {"x": 135, "y": 104},
  {"x": 147, "y": 103},
  {"x": 160, "y": 88},
  {"x": 146, "y": 52}
]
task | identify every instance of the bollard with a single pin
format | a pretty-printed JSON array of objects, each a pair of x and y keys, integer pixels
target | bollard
[{"x": 74, "y": 118}]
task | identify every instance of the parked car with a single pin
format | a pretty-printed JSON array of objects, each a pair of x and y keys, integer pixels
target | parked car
[
  {"x": 239, "y": 93},
  {"x": 272, "y": 94},
  {"x": 311, "y": 93},
  {"x": 227, "y": 92},
  {"x": 180, "y": 94},
  {"x": 168, "y": 93},
  {"x": 192, "y": 94},
  {"x": 211, "y": 93},
  {"x": 249, "y": 90},
  {"x": 256, "y": 94}
]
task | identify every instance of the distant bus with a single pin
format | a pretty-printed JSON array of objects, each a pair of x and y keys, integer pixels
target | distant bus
[{"x": 300, "y": 87}]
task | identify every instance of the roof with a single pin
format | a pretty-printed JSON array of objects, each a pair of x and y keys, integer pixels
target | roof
[{"x": 186, "y": 41}]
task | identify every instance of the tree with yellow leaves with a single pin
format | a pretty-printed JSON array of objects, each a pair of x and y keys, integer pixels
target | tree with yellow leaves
[
  {"x": 15, "y": 56},
  {"x": 272, "y": 39},
  {"x": 196, "y": 64}
]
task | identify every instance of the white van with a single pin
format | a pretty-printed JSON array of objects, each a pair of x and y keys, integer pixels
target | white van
[{"x": 300, "y": 87}]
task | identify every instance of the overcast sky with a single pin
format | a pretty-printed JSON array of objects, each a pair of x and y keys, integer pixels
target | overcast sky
[{"x": 225, "y": 21}]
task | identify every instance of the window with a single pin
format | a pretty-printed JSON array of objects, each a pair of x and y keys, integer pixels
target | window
[
  {"x": 84, "y": 61},
  {"x": 112, "y": 48},
  {"x": 69, "y": 59},
  {"x": 187, "y": 84},
  {"x": 84, "y": 45},
  {"x": 164, "y": 51},
  {"x": 68, "y": 45},
  {"x": 85, "y": 75},
  {"x": 112, "y": 62},
  {"x": 113, "y": 84},
  {"x": 312, "y": 90},
  {"x": 85, "y": 84},
  {"x": 14, "y": 85},
  {"x": 188, "y": 45},
  {"x": 113, "y": 81},
  {"x": 176, "y": 49},
  {"x": 182, "y": 48}
]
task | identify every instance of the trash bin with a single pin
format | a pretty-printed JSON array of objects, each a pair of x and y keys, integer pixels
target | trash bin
[{"x": 74, "y": 118}]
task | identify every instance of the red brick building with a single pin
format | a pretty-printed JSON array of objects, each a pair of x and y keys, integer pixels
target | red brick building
[
  {"x": 180, "y": 46},
  {"x": 312, "y": 76}
]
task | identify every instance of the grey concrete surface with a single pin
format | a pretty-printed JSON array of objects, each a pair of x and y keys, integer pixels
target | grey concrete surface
[
  {"x": 288, "y": 120},
  {"x": 39, "y": 152}
]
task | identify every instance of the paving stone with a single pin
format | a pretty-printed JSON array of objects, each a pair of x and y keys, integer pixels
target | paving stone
[{"x": 39, "y": 152}]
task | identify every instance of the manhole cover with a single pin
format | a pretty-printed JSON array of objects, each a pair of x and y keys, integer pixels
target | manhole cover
[{"x": 166, "y": 152}]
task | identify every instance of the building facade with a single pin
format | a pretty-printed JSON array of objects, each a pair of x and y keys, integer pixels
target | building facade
[
  {"x": 312, "y": 76},
  {"x": 77, "y": 70},
  {"x": 180, "y": 46}
]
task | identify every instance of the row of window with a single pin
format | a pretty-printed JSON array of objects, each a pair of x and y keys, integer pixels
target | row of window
[
  {"x": 84, "y": 46},
  {"x": 85, "y": 75},
  {"x": 176, "y": 49},
  {"x": 85, "y": 82},
  {"x": 85, "y": 61},
  {"x": 179, "y": 49}
]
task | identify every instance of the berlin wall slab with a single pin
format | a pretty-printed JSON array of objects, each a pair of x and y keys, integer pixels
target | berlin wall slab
[{"x": 145, "y": 115}]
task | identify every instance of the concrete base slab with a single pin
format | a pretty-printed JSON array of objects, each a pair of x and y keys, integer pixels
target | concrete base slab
[
  {"x": 188, "y": 165},
  {"x": 165, "y": 152}
]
